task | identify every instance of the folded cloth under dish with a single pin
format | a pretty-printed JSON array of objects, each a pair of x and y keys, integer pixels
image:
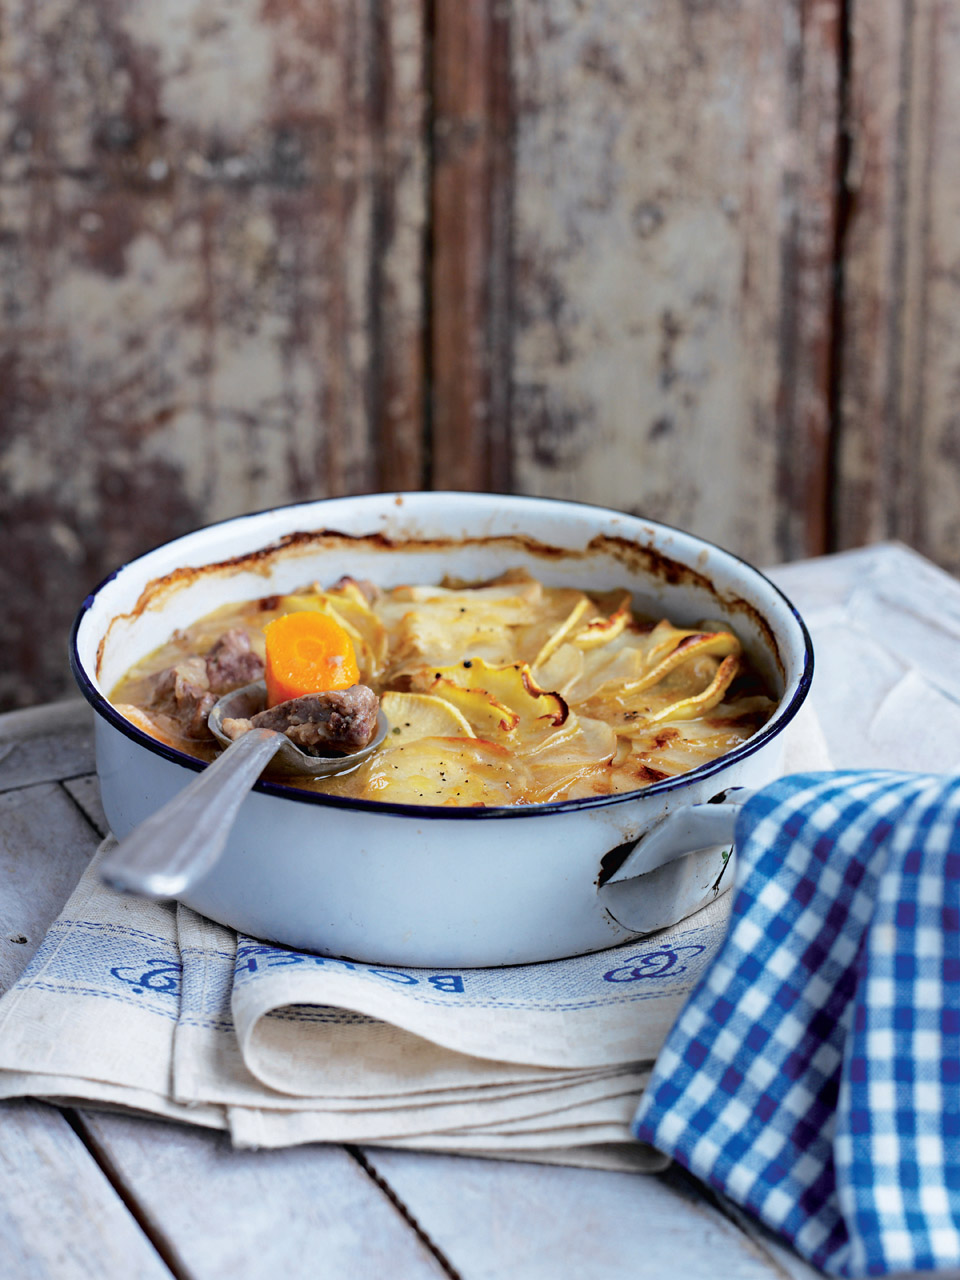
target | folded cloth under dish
[
  {"x": 150, "y": 1007},
  {"x": 814, "y": 1075}
]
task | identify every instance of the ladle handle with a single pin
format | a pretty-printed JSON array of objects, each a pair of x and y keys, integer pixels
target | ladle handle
[{"x": 178, "y": 844}]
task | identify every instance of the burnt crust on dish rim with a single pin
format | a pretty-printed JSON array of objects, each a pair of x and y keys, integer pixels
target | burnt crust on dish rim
[{"x": 632, "y": 554}]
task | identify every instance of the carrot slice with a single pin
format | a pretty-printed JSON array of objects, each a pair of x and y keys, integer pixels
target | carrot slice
[{"x": 307, "y": 653}]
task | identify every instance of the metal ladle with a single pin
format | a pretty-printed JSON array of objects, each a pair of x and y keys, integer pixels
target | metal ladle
[{"x": 178, "y": 845}]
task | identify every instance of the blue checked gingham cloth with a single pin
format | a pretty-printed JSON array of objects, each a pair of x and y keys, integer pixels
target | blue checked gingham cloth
[{"x": 813, "y": 1076}]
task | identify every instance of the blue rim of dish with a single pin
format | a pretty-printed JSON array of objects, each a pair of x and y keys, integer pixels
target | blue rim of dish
[{"x": 453, "y": 812}]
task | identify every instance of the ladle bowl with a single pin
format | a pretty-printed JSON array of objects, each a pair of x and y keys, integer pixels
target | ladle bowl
[{"x": 180, "y": 843}]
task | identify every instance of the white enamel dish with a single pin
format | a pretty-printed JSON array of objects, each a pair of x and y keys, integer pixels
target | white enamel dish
[{"x": 429, "y": 886}]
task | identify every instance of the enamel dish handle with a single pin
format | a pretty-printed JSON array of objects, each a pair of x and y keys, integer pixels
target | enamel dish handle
[
  {"x": 652, "y": 870},
  {"x": 176, "y": 846}
]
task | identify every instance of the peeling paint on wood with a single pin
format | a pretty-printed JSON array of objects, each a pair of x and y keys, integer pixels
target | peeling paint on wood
[
  {"x": 900, "y": 422},
  {"x": 472, "y": 194},
  {"x": 212, "y": 237},
  {"x": 872, "y": 280},
  {"x": 809, "y": 244},
  {"x": 932, "y": 295},
  {"x": 674, "y": 237},
  {"x": 261, "y": 250}
]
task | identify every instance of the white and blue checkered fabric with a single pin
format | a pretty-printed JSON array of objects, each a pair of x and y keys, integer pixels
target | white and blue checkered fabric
[{"x": 813, "y": 1077}]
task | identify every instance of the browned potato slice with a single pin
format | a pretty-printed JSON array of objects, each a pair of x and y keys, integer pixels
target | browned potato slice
[
  {"x": 511, "y": 686},
  {"x": 692, "y": 645},
  {"x": 602, "y": 630},
  {"x": 484, "y": 712},
  {"x": 557, "y": 638},
  {"x": 661, "y": 707}
]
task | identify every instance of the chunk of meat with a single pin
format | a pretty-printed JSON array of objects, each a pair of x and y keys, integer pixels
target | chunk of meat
[
  {"x": 186, "y": 691},
  {"x": 232, "y": 663},
  {"x": 183, "y": 692},
  {"x": 319, "y": 723}
]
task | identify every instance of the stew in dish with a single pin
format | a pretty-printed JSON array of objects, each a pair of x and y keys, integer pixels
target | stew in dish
[{"x": 501, "y": 693}]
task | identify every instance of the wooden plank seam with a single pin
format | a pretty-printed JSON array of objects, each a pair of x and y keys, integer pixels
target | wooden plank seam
[{"x": 403, "y": 1209}]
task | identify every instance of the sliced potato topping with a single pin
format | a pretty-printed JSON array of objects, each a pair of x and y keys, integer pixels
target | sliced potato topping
[
  {"x": 691, "y": 647},
  {"x": 421, "y": 715},
  {"x": 602, "y": 630},
  {"x": 561, "y": 670},
  {"x": 510, "y": 686},
  {"x": 437, "y": 771},
  {"x": 485, "y": 712},
  {"x": 354, "y": 609},
  {"x": 509, "y": 692},
  {"x": 557, "y": 638}
]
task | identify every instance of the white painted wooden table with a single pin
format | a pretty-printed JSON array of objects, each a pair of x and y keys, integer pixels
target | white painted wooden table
[{"x": 87, "y": 1194}]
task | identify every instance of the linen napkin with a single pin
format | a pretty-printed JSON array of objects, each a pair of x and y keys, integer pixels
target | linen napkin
[
  {"x": 814, "y": 1075},
  {"x": 147, "y": 1006}
]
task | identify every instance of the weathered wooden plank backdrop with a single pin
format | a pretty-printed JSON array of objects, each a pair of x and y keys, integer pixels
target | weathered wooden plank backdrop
[{"x": 698, "y": 260}]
